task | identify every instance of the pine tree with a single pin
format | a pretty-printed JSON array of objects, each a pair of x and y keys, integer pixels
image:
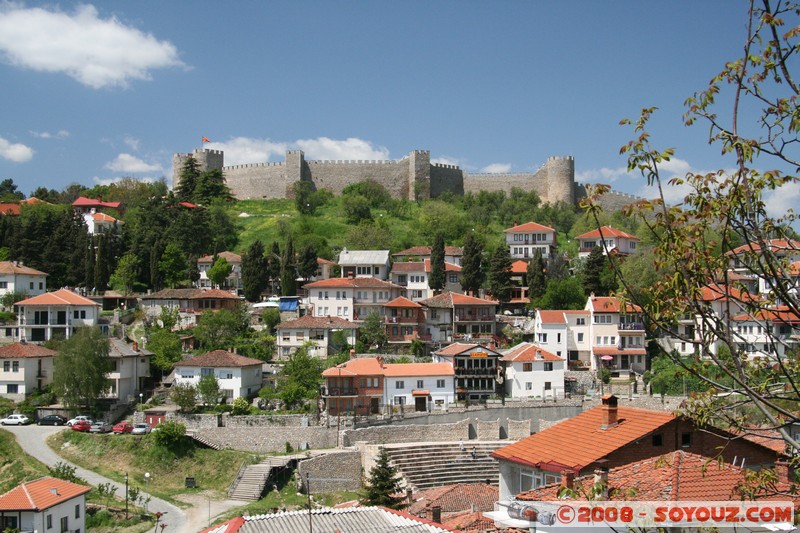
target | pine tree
[
  {"x": 500, "y": 274},
  {"x": 188, "y": 180},
  {"x": 437, "y": 279},
  {"x": 472, "y": 275},
  {"x": 255, "y": 272},
  {"x": 593, "y": 272},
  {"x": 211, "y": 186},
  {"x": 537, "y": 278},
  {"x": 383, "y": 485},
  {"x": 288, "y": 270},
  {"x": 307, "y": 267}
]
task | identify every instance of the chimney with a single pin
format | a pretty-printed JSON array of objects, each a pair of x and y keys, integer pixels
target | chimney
[
  {"x": 609, "y": 414},
  {"x": 784, "y": 472},
  {"x": 436, "y": 514},
  {"x": 352, "y": 353},
  {"x": 567, "y": 479},
  {"x": 601, "y": 483},
  {"x": 380, "y": 360},
  {"x": 409, "y": 495},
  {"x": 135, "y": 346}
]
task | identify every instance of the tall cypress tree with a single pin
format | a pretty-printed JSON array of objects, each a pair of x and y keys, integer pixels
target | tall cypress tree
[
  {"x": 255, "y": 272},
  {"x": 307, "y": 266},
  {"x": 274, "y": 264},
  {"x": 593, "y": 272},
  {"x": 190, "y": 173},
  {"x": 437, "y": 279},
  {"x": 89, "y": 261},
  {"x": 500, "y": 274},
  {"x": 472, "y": 275},
  {"x": 537, "y": 279},
  {"x": 102, "y": 271},
  {"x": 288, "y": 270}
]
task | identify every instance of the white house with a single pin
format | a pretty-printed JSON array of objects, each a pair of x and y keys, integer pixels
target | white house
[
  {"x": 533, "y": 372},
  {"x": 415, "y": 277},
  {"x": 25, "y": 367},
  {"x": 427, "y": 386},
  {"x": 551, "y": 331},
  {"x": 617, "y": 335},
  {"x": 238, "y": 377},
  {"x": 364, "y": 263},
  {"x": 46, "y": 504},
  {"x": 611, "y": 240},
  {"x": 452, "y": 254},
  {"x": 54, "y": 314},
  {"x": 16, "y": 277},
  {"x": 234, "y": 279},
  {"x": 525, "y": 239},
  {"x": 99, "y": 223},
  {"x": 131, "y": 365},
  {"x": 317, "y": 331},
  {"x": 350, "y": 298}
]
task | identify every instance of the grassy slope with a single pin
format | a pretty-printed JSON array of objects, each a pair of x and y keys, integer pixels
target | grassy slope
[{"x": 16, "y": 466}]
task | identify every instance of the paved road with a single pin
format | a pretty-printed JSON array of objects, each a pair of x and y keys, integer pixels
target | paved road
[{"x": 32, "y": 440}]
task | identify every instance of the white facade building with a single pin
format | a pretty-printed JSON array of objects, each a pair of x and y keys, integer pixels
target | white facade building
[
  {"x": 15, "y": 277},
  {"x": 533, "y": 372},
  {"x": 54, "y": 314},
  {"x": 525, "y": 239},
  {"x": 44, "y": 505},
  {"x": 427, "y": 386},
  {"x": 238, "y": 377},
  {"x": 24, "y": 368}
]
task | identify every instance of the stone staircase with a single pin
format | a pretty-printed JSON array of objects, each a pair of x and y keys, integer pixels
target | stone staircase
[
  {"x": 429, "y": 465},
  {"x": 198, "y": 436},
  {"x": 251, "y": 479}
]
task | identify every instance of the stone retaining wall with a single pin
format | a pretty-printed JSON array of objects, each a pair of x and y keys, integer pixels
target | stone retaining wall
[
  {"x": 332, "y": 472},
  {"x": 271, "y": 440},
  {"x": 413, "y": 433},
  {"x": 267, "y": 421},
  {"x": 518, "y": 429},
  {"x": 488, "y": 429}
]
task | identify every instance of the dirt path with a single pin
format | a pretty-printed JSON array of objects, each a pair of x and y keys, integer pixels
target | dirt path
[{"x": 204, "y": 509}]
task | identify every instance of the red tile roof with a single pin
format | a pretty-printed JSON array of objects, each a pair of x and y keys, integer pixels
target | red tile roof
[
  {"x": 82, "y": 201},
  {"x": 219, "y": 359},
  {"x": 417, "y": 369},
  {"x": 230, "y": 257},
  {"x": 527, "y": 352},
  {"x": 363, "y": 366},
  {"x": 59, "y": 297},
  {"x": 721, "y": 293},
  {"x": 448, "y": 300},
  {"x": 366, "y": 283},
  {"x": 612, "y": 304},
  {"x": 323, "y": 261},
  {"x": 9, "y": 209},
  {"x": 448, "y": 267},
  {"x": 426, "y": 250},
  {"x": 402, "y": 301},
  {"x": 552, "y": 317},
  {"x": 317, "y": 322},
  {"x": 455, "y": 498},
  {"x": 557, "y": 447},
  {"x": 40, "y": 494},
  {"x": 102, "y": 217},
  {"x": 607, "y": 232},
  {"x": 19, "y": 350},
  {"x": 14, "y": 267},
  {"x": 519, "y": 267},
  {"x": 675, "y": 476},
  {"x": 778, "y": 315},
  {"x": 408, "y": 266},
  {"x": 456, "y": 348},
  {"x": 529, "y": 226},
  {"x": 777, "y": 246},
  {"x": 190, "y": 294}
]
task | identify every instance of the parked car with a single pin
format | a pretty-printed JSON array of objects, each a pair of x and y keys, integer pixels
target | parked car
[
  {"x": 82, "y": 425},
  {"x": 51, "y": 420},
  {"x": 15, "y": 420},
  {"x": 123, "y": 427},
  {"x": 100, "y": 427},
  {"x": 141, "y": 429},
  {"x": 80, "y": 417}
]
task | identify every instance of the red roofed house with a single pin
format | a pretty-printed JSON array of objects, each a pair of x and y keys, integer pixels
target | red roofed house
[
  {"x": 190, "y": 303},
  {"x": 452, "y": 501},
  {"x": 25, "y": 367},
  {"x": 405, "y": 321},
  {"x": 16, "y": 277},
  {"x": 476, "y": 369},
  {"x": 234, "y": 280},
  {"x": 564, "y": 333},
  {"x": 98, "y": 223},
  {"x": 525, "y": 239},
  {"x": 355, "y": 386},
  {"x": 611, "y": 240},
  {"x": 415, "y": 276},
  {"x": 426, "y": 386},
  {"x": 533, "y": 372},
  {"x": 452, "y": 254},
  {"x": 610, "y": 436},
  {"x": 54, "y": 314},
  {"x": 316, "y": 330},
  {"x": 324, "y": 269},
  {"x": 350, "y": 298},
  {"x": 452, "y": 316},
  {"x": 238, "y": 377},
  {"x": 86, "y": 205},
  {"x": 364, "y": 263},
  {"x": 616, "y": 335},
  {"x": 46, "y": 504}
]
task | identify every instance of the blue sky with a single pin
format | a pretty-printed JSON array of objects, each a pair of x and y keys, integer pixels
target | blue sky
[{"x": 95, "y": 92}]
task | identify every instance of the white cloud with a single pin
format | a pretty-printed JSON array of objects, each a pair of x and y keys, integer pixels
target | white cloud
[
  {"x": 96, "y": 52},
  {"x": 244, "y": 150},
  {"x": 780, "y": 201},
  {"x": 131, "y": 164},
  {"x": 60, "y": 134},
  {"x": 132, "y": 143},
  {"x": 348, "y": 149},
  {"x": 108, "y": 181},
  {"x": 497, "y": 168},
  {"x": 16, "y": 152},
  {"x": 601, "y": 175},
  {"x": 446, "y": 160}
]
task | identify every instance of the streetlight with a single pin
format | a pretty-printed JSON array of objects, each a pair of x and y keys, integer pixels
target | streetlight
[
  {"x": 126, "y": 495},
  {"x": 146, "y": 480},
  {"x": 141, "y": 401}
]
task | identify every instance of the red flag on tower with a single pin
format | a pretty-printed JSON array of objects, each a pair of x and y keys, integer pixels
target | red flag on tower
[{"x": 206, "y": 139}]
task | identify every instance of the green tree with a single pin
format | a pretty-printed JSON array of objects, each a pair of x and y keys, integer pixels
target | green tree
[
  {"x": 166, "y": 348},
  {"x": 356, "y": 208},
  {"x": 80, "y": 373},
  {"x": 307, "y": 266},
  {"x": 500, "y": 284},
  {"x": 219, "y": 271},
  {"x": 126, "y": 273},
  {"x": 255, "y": 272},
  {"x": 537, "y": 278},
  {"x": 368, "y": 236},
  {"x": 190, "y": 173},
  {"x": 472, "y": 275},
  {"x": 437, "y": 277},
  {"x": 288, "y": 269},
  {"x": 303, "y": 196},
  {"x": 184, "y": 395},
  {"x": 562, "y": 294},
  {"x": 172, "y": 266},
  {"x": 274, "y": 263},
  {"x": 300, "y": 378},
  {"x": 208, "y": 389},
  {"x": 593, "y": 268},
  {"x": 172, "y": 436},
  {"x": 211, "y": 186},
  {"x": 9, "y": 192},
  {"x": 372, "y": 332},
  {"x": 220, "y": 330},
  {"x": 383, "y": 484}
]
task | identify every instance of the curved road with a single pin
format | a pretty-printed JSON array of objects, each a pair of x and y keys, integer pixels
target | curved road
[{"x": 32, "y": 440}]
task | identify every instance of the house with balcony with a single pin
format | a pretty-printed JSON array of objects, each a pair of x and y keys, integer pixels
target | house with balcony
[
  {"x": 350, "y": 298},
  {"x": 533, "y": 372},
  {"x": 415, "y": 277},
  {"x": 238, "y": 376},
  {"x": 84, "y": 205},
  {"x": 98, "y": 223},
  {"x": 524, "y": 240},
  {"x": 451, "y": 315},
  {"x": 478, "y": 371},
  {"x": 611, "y": 240},
  {"x": 44, "y": 504},
  {"x": 54, "y": 315},
  {"x": 234, "y": 279},
  {"x": 617, "y": 335},
  {"x": 190, "y": 303},
  {"x": 426, "y": 386},
  {"x": 405, "y": 321},
  {"x": 772, "y": 333},
  {"x": 354, "y": 387},
  {"x": 364, "y": 263},
  {"x": 26, "y": 367},
  {"x": 745, "y": 261},
  {"x": 130, "y": 367},
  {"x": 16, "y": 277},
  {"x": 452, "y": 254},
  {"x": 314, "y": 331}
]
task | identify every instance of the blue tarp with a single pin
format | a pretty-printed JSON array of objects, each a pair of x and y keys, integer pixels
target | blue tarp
[{"x": 289, "y": 303}]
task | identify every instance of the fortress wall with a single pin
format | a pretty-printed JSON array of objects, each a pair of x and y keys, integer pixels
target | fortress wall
[
  {"x": 265, "y": 180},
  {"x": 446, "y": 178},
  {"x": 505, "y": 182},
  {"x": 336, "y": 175}
]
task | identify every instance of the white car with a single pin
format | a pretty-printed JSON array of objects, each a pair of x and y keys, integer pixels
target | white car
[
  {"x": 140, "y": 429},
  {"x": 15, "y": 420},
  {"x": 81, "y": 417}
]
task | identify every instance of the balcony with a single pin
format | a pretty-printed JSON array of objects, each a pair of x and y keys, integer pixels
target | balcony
[
  {"x": 401, "y": 320},
  {"x": 480, "y": 372},
  {"x": 338, "y": 392},
  {"x": 475, "y": 318},
  {"x": 634, "y": 326}
]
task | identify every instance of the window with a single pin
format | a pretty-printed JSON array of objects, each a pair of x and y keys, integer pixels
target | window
[
  {"x": 3, "y": 284},
  {"x": 64, "y": 524},
  {"x": 439, "y": 383},
  {"x": 15, "y": 366},
  {"x": 527, "y": 367},
  {"x": 528, "y": 385},
  {"x": 12, "y": 388},
  {"x": 658, "y": 440},
  {"x": 580, "y": 322},
  {"x": 31, "y": 285},
  {"x": 77, "y": 511},
  {"x": 420, "y": 384},
  {"x": 399, "y": 385},
  {"x": 399, "y": 400},
  {"x": 6, "y": 366},
  {"x": 41, "y": 286},
  {"x": 580, "y": 337},
  {"x": 548, "y": 367},
  {"x": 299, "y": 336},
  {"x": 686, "y": 440},
  {"x": 229, "y": 375},
  {"x": 558, "y": 337},
  {"x": 206, "y": 372},
  {"x": 453, "y": 278},
  {"x": 548, "y": 385}
]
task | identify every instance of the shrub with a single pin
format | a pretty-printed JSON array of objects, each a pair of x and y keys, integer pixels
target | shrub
[
  {"x": 240, "y": 406},
  {"x": 171, "y": 435}
]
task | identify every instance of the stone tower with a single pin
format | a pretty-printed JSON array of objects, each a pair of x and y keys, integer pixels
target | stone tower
[{"x": 206, "y": 160}]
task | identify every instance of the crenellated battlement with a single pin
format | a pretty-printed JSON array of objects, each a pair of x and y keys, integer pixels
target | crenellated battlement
[
  {"x": 444, "y": 165},
  {"x": 354, "y": 162},
  {"x": 255, "y": 165}
]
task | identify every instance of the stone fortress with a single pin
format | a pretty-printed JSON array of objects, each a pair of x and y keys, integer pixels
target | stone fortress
[{"x": 411, "y": 177}]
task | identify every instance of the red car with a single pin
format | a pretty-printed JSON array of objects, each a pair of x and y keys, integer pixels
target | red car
[
  {"x": 123, "y": 427},
  {"x": 82, "y": 425}
]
